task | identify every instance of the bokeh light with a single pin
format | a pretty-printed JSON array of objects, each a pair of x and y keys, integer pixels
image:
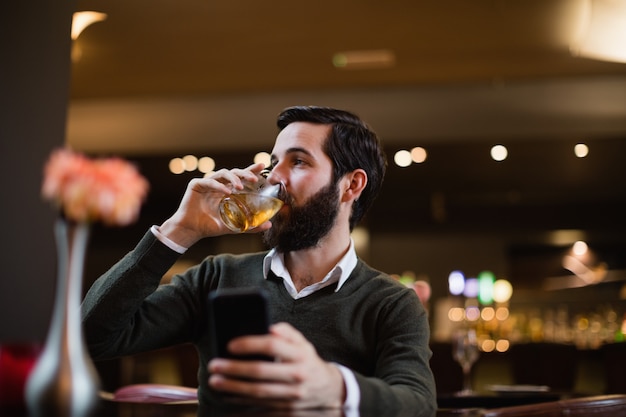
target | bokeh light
[
  {"x": 502, "y": 313},
  {"x": 456, "y": 314},
  {"x": 488, "y": 314},
  {"x": 502, "y": 291},
  {"x": 581, "y": 150},
  {"x": 488, "y": 345},
  {"x": 502, "y": 345},
  {"x": 177, "y": 166},
  {"x": 456, "y": 282},
  {"x": 191, "y": 162},
  {"x": 580, "y": 248},
  {"x": 486, "y": 280},
  {"x": 471, "y": 288},
  {"x": 402, "y": 158},
  {"x": 472, "y": 313},
  {"x": 206, "y": 164},
  {"x": 263, "y": 157},
  {"x": 499, "y": 153},
  {"x": 418, "y": 154}
]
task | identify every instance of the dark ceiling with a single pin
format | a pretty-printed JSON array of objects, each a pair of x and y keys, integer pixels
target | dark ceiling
[
  {"x": 195, "y": 47},
  {"x": 164, "y": 77}
]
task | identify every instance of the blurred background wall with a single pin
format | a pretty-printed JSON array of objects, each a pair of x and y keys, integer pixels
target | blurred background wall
[{"x": 34, "y": 86}]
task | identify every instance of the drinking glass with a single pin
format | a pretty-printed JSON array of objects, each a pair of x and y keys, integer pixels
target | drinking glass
[
  {"x": 465, "y": 352},
  {"x": 255, "y": 204}
]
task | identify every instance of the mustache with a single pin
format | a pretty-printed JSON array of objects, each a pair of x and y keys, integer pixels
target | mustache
[{"x": 286, "y": 197}]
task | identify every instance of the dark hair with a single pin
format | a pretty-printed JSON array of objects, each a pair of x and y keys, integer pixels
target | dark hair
[{"x": 350, "y": 145}]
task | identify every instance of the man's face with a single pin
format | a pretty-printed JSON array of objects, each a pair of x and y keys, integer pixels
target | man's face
[{"x": 310, "y": 210}]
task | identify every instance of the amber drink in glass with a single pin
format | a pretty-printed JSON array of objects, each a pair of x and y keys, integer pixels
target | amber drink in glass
[{"x": 254, "y": 205}]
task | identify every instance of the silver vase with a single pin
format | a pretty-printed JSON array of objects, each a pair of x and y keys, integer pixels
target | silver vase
[{"x": 64, "y": 382}]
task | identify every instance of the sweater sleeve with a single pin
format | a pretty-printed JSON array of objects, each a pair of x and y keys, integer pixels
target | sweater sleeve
[
  {"x": 403, "y": 383},
  {"x": 115, "y": 306}
]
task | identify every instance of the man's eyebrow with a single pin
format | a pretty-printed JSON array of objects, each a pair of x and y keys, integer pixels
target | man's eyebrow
[
  {"x": 298, "y": 150},
  {"x": 291, "y": 151}
]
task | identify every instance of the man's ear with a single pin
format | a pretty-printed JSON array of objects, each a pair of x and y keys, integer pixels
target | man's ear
[{"x": 353, "y": 185}]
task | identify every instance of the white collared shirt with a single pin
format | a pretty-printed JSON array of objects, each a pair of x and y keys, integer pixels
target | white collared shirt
[{"x": 275, "y": 262}]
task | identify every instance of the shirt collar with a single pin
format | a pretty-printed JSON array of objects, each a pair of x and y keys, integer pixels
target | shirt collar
[{"x": 275, "y": 261}]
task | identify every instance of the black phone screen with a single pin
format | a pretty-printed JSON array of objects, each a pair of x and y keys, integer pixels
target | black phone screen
[{"x": 237, "y": 312}]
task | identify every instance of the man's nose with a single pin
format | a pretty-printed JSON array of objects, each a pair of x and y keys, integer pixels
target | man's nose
[{"x": 274, "y": 175}]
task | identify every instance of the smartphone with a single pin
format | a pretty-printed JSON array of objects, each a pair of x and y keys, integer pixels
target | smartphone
[{"x": 237, "y": 312}]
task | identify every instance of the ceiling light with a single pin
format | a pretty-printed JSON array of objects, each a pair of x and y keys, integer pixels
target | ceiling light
[
  {"x": 364, "y": 59},
  {"x": 581, "y": 150},
  {"x": 81, "y": 20},
  {"x": 499, "y": 153},
  {"x": 603, "y": 32}
]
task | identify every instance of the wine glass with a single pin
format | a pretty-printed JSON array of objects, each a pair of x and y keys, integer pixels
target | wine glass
[{"x": 465, "y": 352}]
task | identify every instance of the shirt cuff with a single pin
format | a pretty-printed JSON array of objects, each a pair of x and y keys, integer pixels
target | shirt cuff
[
  {"x": 353, "y": 392},
  {"x": 166, "y": 241}
]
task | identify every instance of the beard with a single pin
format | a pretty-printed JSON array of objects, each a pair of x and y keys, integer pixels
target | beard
[{"x": 303, "y": 227}]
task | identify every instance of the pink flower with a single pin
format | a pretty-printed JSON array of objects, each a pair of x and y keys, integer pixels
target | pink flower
[{"x": 108, "y": 190}]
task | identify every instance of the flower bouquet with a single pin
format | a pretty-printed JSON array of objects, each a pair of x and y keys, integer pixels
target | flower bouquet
[{"x": 109, "y": 190}]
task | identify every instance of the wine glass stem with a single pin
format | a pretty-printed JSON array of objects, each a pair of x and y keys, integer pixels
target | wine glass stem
[{"x": 467, "y": 379}]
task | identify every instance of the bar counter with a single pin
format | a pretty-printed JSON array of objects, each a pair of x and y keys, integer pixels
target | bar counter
[{"x": 606, "y": 405}]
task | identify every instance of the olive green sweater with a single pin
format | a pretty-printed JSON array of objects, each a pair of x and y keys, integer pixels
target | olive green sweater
[{"x": 373, "y": 325}]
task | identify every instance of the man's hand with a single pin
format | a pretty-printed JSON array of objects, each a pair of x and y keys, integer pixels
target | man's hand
[
  {"x": 198, "y": 216},
  {"x": 298, "y": 378}
]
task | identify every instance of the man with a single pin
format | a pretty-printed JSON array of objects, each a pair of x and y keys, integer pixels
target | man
[{"x": 345, "y": 335}]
